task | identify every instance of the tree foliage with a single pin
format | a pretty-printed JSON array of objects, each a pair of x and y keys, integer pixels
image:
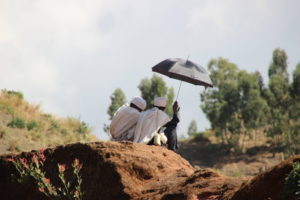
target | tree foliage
[
  {"x": 192, "y": 129},
  {"x": 234, "y": 106},
  {"x": 279, "y": 63},
  {"x": 118, "y": 99},
  {"x": 241, "y": 104},
  {"x": 296, "y": 83},
  {"x": 292, "y": 138},
  {"x": 156, "y": 87}
]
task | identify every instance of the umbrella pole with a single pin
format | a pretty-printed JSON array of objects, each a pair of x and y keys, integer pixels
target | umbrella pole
[{"x": 178, "y": 91}]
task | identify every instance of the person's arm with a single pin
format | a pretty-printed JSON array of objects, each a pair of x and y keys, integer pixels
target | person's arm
[
  {"x": 175, "y": 120},
  {"x": 172, "y": 124},
  {"x": 170, "y": 130}
]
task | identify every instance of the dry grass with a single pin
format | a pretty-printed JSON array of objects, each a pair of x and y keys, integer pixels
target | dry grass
[{"x": 41, "y": 130}]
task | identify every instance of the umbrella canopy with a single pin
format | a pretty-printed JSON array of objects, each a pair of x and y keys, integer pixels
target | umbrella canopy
[{"x": 183, "y": 70}]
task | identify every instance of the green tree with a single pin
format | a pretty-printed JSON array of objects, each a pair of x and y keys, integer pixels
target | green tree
[
  {"x": 278, "y": 97},
  {"x": 192, "y": 129},
  {"x": 283, "y": 100},
  {"x": 293, "y": 138},
  {"x": 118, "y": 99},
  {"x": 156, "y": 87},
  {"x": 253, "y": 107},
  {"x": 220, "y": 103},
  {"x": 234, "y": 106},
  {"x": 296, "y": 83},
  {"x": 279, "y": 63}
]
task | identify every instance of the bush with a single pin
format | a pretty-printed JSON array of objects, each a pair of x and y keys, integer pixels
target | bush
[
  {"x": 31, "y": 172},
  {"x": 291, "y": 187},
  {"x": 14, "y": 93},
  {"x": 17, "y": 123},
  {"x": 47, "y": 116},
  {"x": 201, "y": 138},
  {"x": 55, "y": 125},
  {"x": 31, "y": 125},
  {"x": 83, "y": 128}
]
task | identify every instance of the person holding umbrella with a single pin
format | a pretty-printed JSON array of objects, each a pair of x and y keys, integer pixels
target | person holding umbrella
[{"x": 153, "y": 120}]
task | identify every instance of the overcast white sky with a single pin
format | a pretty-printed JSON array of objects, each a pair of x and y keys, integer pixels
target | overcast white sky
[{"x": 70, "y": 55}]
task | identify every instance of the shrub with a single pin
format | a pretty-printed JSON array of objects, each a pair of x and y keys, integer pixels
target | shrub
[
  {"x": 55, "y": 125},
  {"x": 201, "y": 137},
  {"x": 291, "y": 187},
  {"x": 14, "y": 93},
  {"x": 32, "y": 171},
  {"x": 31, "y": 125},
  {"x": 83, "y": 128},
  {"x": 47, "y": 116},
  {"x": 17, "y": 123}
]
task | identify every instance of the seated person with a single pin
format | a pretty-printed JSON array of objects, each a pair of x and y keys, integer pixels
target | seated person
[
  {"x": 153, "y": 119},
  {"x": 124, "y": 121}
]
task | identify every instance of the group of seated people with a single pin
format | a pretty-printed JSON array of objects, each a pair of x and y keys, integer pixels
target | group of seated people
[{"x": 152, "y": 126}]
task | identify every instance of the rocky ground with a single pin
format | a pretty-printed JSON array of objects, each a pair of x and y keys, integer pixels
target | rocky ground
[{"x": 113, "y": 170}]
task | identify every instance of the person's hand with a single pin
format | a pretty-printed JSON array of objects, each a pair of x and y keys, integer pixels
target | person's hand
[{"x": 176, "y": 108}]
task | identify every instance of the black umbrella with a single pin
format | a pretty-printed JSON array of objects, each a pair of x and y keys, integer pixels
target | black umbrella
[{"x": 183, "y": 70}]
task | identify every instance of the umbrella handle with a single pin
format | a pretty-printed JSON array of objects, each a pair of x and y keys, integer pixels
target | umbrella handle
[{"x": 178, "y": 90}]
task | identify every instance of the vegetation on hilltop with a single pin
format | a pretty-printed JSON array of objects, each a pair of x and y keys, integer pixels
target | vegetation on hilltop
[
  {"x": 240, "y": 105},
  {"x": 24, "y": 127}
]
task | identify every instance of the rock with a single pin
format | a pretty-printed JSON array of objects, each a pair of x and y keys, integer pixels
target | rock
[
  {"x": 113, "y": 170},
  {"x": 267, "y": 185}
]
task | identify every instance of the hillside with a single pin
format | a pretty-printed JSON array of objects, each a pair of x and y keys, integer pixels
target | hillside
[
  {"x": 24, "y": 127},
  {"x": 202, "y": 152},
  {"x": 114, "y": 170}
]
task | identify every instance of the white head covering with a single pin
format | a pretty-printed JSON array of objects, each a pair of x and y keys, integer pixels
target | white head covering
[
  {"x": 160, "y": 101},
  {"x": 139, "y": 102}
]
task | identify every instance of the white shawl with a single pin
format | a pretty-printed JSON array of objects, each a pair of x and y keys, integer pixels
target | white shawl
[
  {"x": 123, "y": 123},
  {"x": 148, "y": 124}
]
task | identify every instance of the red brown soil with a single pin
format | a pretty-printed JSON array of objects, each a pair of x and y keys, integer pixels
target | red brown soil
[
  {"x": 113, "y": 170},
  {"x": 267, "y": 186}
]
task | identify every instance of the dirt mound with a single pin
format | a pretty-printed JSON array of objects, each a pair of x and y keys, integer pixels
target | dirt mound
[
  {"x": 267, "y": 185},
  {"x": 113, "y": 170}
]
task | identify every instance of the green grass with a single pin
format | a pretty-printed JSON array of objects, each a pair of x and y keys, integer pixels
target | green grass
[
  {"x": 31, "y": 125},
  {"x": 17, "y": 123}
]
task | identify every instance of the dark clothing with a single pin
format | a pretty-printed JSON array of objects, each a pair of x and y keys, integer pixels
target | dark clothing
[{"x": 171, "y": 133}]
